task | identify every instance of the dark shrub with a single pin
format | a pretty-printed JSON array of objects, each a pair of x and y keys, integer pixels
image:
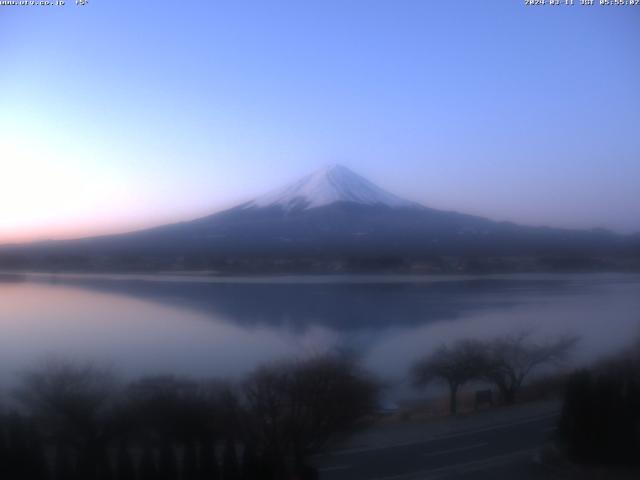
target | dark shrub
[{"x": 600, "y": 420}]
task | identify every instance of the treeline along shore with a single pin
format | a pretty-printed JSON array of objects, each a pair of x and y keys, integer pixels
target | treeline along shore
[
  {"x": 68, "y": 421},
  {"x": 319, "y": 264}
]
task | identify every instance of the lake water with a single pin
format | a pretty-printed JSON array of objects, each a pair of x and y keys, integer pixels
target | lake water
[{"x": 205, "y": 326}]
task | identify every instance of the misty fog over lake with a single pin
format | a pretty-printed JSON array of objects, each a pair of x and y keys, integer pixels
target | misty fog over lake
[{"x": 224, "y": 327}]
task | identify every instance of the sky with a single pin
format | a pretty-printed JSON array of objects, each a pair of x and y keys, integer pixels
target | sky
[{"x": 120, "y": 115}]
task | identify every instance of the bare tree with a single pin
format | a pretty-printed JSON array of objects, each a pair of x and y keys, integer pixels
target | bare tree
[
  {"x": 69, "y": 402},
  {"x": 296, "y": 408},
  {"x": 170, "y": 408},
  {"x": 454, "y": 365},
  {"x": 510, "y": 359},
  {"x": 67, "y": 398}
]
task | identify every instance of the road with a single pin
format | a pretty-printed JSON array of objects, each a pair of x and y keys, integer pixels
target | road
[{"x": 500, "y": 450}]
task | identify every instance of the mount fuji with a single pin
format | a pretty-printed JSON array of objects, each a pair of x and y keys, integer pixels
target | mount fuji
[
  {"x": 330, "y": 220},
  {"x": 326, "y": 186}
]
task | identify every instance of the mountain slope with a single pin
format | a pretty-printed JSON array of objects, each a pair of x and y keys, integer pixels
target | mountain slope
[{"x": 329, "y": 215}]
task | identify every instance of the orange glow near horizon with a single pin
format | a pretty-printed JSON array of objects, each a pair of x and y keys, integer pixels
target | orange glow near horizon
[
  {"x": 43, "y": 197},
  {"x": 62, "y": 232},
  {"x": 49, "y": 195}
]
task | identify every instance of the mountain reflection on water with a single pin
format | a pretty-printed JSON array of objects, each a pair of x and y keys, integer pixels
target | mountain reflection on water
[
  {"x": 343, "y": 303},
  {"x": 225, "y": 327}
]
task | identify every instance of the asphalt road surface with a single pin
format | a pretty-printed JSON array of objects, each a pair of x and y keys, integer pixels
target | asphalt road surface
[{"x": 499, "y": 451}]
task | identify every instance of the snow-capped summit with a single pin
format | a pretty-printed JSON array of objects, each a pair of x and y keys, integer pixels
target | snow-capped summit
[{"x": 331, "y": 184}]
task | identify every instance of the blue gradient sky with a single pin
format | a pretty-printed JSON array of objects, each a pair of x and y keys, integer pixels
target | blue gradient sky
[{"x": 122, "y": 114}]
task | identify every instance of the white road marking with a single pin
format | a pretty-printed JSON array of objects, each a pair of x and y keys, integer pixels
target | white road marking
[
  {"x": 337, "y": 467},
  {"x": 441, "y": 437},
  {"x": 436, "y": 473},
  {"x": 454, "y": 450}
]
